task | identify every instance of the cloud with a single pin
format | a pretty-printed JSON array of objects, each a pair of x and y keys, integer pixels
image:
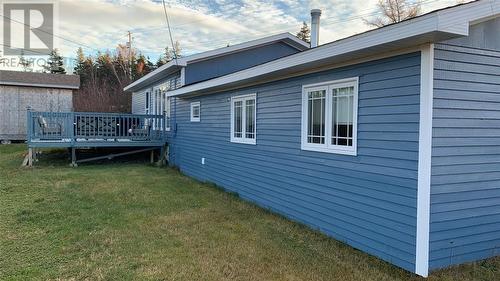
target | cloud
[{"x": 200, "y": 25}]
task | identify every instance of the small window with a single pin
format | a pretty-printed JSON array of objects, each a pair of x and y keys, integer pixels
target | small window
[
  {"x": 195, "y": 111},
  {"x": 244, "y": 119},
  {"x": 329, "y": 116}
]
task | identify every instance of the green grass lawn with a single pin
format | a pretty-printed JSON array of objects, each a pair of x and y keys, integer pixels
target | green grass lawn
[{"x": 133, "y": 221}]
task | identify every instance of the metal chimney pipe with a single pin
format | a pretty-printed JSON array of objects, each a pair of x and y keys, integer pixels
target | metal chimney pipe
[{"x": 315, "y": 15}]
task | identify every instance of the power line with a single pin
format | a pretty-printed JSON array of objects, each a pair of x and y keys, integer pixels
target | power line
[
  {"x": 33, "y": 51},
  {"x": 170, "y": 33},
  {"x": 373, "y": 13},
  {"x": 325, "y": 22},
  {"x": 50, "y": 33}
]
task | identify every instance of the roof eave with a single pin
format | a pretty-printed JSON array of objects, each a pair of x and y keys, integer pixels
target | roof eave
[
  {"x": 41, "y": 85},
  {"x": 156, "y": 75}
]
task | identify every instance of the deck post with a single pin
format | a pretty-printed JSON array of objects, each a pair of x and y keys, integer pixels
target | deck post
[
  {"x": 152, "y": 156},
  {"x": 163, "y": 152},
  {"x": 30, "y": 157},
  {"x": 73, "y": 157}
]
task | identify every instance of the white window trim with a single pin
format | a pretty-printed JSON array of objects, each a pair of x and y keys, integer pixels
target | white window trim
[
  {"x": 193, "y": 105},
  {"x": 243, "y": 139},
  {"x": 168, "y": 110},
  {"x": 328, "y": 147},
  {"x": 147, "y": 101}
]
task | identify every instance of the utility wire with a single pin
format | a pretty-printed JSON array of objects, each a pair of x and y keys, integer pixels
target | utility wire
[
  {"x": 50, "y": 33},
  {"x": 325, "y": 22},
  {"x": 33, "y": 51},
  {"x": 372, "y": 13},
  {"x": 170, "y": 33}
]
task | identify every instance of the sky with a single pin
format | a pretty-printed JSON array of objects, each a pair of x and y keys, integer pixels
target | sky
[{"x": 201, "y": 25}]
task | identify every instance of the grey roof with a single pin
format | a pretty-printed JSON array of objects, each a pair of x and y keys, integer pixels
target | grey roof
[{"x": 41, "y": 80}]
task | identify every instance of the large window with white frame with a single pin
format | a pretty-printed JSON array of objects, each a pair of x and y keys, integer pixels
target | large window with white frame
[
  {"x": 244, "y": 119},
  {"x": 329, "y": 116},
  {"x": 195, "y": 111}
]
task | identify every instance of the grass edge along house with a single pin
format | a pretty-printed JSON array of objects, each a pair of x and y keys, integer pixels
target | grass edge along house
[{"x": 388, "y": 140}]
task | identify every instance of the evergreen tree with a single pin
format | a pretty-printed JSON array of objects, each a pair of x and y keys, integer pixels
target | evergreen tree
[
  {"x": 83, "y": 66},
  {"x": 55, "y": 63},
  {"x": 142, "y": 67},
  {"x": 305, "y": 33},
  {"x": 80, "y": 62},
  {"x": 169, "y": 54},
  {"x": 25, "y": 63}
]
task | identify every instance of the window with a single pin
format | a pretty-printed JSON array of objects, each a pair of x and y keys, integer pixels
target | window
[
  {"x": 195, "y": 111},
  {"x": 243, "y": 119},
  {"x": 329, "y": 116}
]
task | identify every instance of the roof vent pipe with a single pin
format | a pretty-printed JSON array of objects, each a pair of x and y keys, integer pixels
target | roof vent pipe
[{"x": 315, "y": 15}]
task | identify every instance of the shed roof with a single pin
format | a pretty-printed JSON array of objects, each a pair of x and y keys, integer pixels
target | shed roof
[{"x": 40, "y": 80}]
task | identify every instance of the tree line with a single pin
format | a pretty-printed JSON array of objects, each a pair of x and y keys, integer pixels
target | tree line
[{"x": 103, "y": 77}]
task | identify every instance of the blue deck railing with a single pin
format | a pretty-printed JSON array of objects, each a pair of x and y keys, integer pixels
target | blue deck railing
[{"x": 85, "y": 127}]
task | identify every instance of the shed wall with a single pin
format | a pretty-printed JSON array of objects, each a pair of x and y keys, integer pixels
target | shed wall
[
  {"x": 367, "y": 201},
  {"x": 15, "y": 100},
  {"x": 465, "y": 188}
]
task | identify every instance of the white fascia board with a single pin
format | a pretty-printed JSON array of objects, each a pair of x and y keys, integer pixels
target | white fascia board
[
  {"x": 179, "y": 62},
  {"x": 459, "y": 18},
  {"x": 284, "y": 37},
  {"x": 448, "y": 23}
]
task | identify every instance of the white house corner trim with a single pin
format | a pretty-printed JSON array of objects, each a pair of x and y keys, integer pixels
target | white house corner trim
[
  {"x": 183, "y": 76},
  {"x": 424, "y": 160}
]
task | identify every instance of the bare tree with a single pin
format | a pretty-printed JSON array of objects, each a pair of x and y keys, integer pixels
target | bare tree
[{"x": 394, "y": 11}]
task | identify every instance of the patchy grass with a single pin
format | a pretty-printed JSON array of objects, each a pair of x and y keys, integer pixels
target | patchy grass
[{"x": 139, "y": 222}]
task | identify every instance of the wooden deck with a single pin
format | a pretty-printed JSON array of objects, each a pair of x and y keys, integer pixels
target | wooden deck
[
  {"x": 77, "y": 130},
  {"x": 83, "y": 129}
]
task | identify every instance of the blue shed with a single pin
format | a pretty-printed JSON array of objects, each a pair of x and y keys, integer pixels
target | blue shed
[{"x": 388, "y": 140}]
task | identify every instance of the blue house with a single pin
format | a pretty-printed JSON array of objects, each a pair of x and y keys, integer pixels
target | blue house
[{"x": 388, "y": 140}]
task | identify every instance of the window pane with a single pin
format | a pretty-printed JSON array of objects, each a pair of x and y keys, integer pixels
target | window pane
[
  {"x": 238, "y": 121},
  {"x": 250, "y": 119},
  {"x": 196, "y": 111},
  {"x": 342, "y": 116},
  {"x": 316, "y": 117}
]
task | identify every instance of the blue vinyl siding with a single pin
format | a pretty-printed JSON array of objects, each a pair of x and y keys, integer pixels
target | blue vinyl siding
[
  {"x": 367, "y": 201},
  {"x": 219, "y": 66},
  {"x": 465, "y": 191}
]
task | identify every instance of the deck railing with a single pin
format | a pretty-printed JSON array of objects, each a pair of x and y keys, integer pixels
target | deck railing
[{"x": 89, "y": 126}]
